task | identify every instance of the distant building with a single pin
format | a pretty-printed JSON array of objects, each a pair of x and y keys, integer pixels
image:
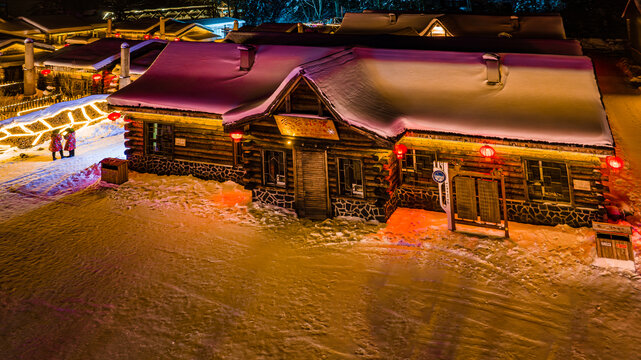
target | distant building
[
  {"x": 220, "y": 26},
  {"x": 632, "y": 16},
  {"x": 12, "y": 57}
]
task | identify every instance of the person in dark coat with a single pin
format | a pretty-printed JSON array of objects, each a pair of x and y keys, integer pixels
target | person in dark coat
[
  {"x": 56, "y": 144},
  {"x": 70, "y": 142}
]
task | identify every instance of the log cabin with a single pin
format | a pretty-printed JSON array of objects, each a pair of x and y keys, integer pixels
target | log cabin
[
  {"x": 316, "y": 129},
  {"x": 632, "y": 16}
]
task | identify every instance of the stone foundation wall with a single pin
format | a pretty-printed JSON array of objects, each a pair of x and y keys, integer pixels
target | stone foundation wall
[
  {"x": 357, "y": 208},
  {"x": 523, "y": 212},
  {"x": 160, "y": 166},
  {"x": 270, "y": 196}
]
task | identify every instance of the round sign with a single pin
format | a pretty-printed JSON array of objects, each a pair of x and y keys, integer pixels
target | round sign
[{"x": 439, "y": 176}]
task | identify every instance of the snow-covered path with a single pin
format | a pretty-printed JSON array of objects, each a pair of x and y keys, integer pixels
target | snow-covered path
[{"x": 30, "y": 181}]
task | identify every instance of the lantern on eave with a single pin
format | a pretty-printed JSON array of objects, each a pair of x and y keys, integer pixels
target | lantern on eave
[
  {"x": 237, "y": 136},
  {"x": 96, "y": 77},
  {"x": 117, "y": 35},
  {"x": 45, "y": 72},
  {"x": 487, "y": 151},
  {"x": 113, "y": 116},
  {"x": 147, "y": 37},
  {"x": 400, "y": 150},
  {"x": 614, "y": 162},
  {"x": 177, "y": 39}
]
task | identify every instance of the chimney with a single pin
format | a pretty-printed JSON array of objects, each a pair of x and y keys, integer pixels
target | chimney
[
  {"x": 493, "y": 68},
  {"x": 235, "y": 25},
  {"x": 124, "y": 66},
  {"x": 29, "y": 69},
  {"x": 109, "y": 27},
  {"x": 514, "y": 21},
  {"x": 162, "y": 27},
  {"x": 300, "y": 28},
  {"x": 247, "y": 57},
  {"x": 392, "y": 18}
]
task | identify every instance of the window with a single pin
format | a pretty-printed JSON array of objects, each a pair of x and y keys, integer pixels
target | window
[
  {"x": 159, "y": 139},
  {"x": 417, "y": 166},
  {"x": 274, "y": 168},
  {"x": 350, "y": 177},
  {"x": 547, "y": 180},
  {"x": 237, "y": 149}
]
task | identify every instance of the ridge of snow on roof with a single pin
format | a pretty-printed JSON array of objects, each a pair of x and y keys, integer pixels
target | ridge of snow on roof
[
  {"x": 549, "y": 98},
  {"x": 205, "y": 77}
]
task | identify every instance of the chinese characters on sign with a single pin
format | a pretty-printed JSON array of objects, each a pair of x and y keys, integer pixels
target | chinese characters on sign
[{"x": 306, "y": 127}]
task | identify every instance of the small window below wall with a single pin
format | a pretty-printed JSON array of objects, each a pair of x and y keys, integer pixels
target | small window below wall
[
  {"x": 274, "y": 168},
  {"x": 547, "y": 180},
  {"x": 350, "y": 177},
  {"x": 159, "y": 139},
  {"x": 417, "y": 166}
]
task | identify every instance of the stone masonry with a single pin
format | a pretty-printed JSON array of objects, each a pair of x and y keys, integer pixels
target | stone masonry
[
  {"x": 161, "y": 166},
  {"x": 357, "y": 208},
  {"x": 280, "y": 198}
]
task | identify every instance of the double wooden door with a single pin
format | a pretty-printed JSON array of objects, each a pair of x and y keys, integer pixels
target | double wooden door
[{"x": 312, "y": 197}]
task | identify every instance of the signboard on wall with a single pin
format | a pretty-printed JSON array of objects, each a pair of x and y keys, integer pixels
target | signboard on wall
[
  {"x": 306, "y": 127},
  {"x": 180, "y": 142},
  {"x": 581, "y": 185}
]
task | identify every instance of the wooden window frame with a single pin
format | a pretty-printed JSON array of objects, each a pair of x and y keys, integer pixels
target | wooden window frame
[
  {"x": 412, "y": 152},
  {"x": 338, "y": 177},
  {"x": 263, "y": 172},
  {"x": 237, "y": 153},
  {"x": 526, "y": 186},
  {"x": 171, "y": 154}
]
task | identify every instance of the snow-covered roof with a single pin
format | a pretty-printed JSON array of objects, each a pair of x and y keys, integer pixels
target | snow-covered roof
[
  {"x": 205, "y": 77},
  {"x": 465, "y": 25},
  {"x": 98, "y": 54},
  {"x": 632, "y": 9},
  {"x": 210, "y": 22},
  {"x": 547, "y": 98},
  {"x": 54, "y": 23},
  {"x": 380, "y": 23}
]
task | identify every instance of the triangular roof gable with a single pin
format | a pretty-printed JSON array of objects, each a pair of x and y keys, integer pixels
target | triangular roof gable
[
  {"x": 632, "y": 8},
  {"x": 431, "y": 26}
]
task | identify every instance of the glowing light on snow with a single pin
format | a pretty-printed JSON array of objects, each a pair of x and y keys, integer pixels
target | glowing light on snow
[
  {"x": 6, "y": 134},
  {"x": 614, "y": 162},
  {"x": 487, "y": 151},
  {"x": 236, "y": 135},
  {"x": 400, "y": 150},
  {"x": 438, "y": 30}
]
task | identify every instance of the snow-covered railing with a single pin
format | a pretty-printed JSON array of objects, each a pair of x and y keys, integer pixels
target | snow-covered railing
[{"x": 23, "y": 107}]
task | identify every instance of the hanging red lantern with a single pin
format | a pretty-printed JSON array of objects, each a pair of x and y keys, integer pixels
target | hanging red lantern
[
  {"x": 487, "y": 151},
  {"x": 66, "y": 45},
  {"x": 177, "y": 39},
  {"x": 237, "y": 136},
  {"x": 117, "y": 35},
  {"x": 614, "y": 162},
  {"x": 113, "y": 116},
  {"x": 400, "y": 150},
  {"x": 147, "y": 36},
  {"x": 45, "y": 72},
  {"x": 96, "y": 77}
]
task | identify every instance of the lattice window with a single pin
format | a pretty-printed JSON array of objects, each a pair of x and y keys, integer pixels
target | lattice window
[
  {"x": 417, "y": 166},
  {"x": 350, "y": 177},
  {"x": 274, "y": 168},
  {"x": 159, "y": 139},
  {"x": 547, "y": 180}
]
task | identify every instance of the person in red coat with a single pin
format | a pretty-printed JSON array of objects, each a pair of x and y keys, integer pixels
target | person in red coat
[
  {"x": 70, "y": 142},
  {"x": 56, "y": 144}
]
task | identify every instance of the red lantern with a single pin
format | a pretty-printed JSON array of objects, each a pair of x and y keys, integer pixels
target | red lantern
[
  {"x": 117, "y": 35},
  {"x": 177, "y": 39},
  {"x": 487, "y": 151},
  {"x": 113, "y": 116},
  {"x": 96, "y": 77},
  {"x": 400, "y": 150},
  {"x": 66, "y": 45},
  {"x": 46, "y": 72},
  {"x": 147, "y": 36},
  {"x": 614, "y": 162},
  {"x": 236, "y": 135}
]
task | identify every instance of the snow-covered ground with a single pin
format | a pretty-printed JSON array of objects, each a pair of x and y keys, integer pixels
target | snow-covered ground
[{"x": 176, "y": 267}]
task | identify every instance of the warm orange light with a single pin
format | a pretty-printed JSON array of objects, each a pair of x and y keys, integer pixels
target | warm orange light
[
  {"x": 487, "y": 151},
  {"x": 236, "y": 135},
  {"x": 45, "y": 72},
  {"x": 400, "y": 150},
  {"x": 96, "y": 77},
  {"x": 614, "y": 162},
  {"x": 113, "y": 116}
]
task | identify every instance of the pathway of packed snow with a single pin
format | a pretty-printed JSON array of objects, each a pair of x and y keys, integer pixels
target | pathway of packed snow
[{"x": 30, "y": 178}]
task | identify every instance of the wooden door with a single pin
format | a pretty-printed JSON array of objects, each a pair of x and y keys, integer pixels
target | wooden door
[{"x": 311, "y": 184}]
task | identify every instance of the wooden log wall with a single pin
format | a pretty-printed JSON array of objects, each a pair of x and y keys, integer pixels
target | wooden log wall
[
  {"x": 515, "y": 176},
  {"x": 203, "y": 143}
]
